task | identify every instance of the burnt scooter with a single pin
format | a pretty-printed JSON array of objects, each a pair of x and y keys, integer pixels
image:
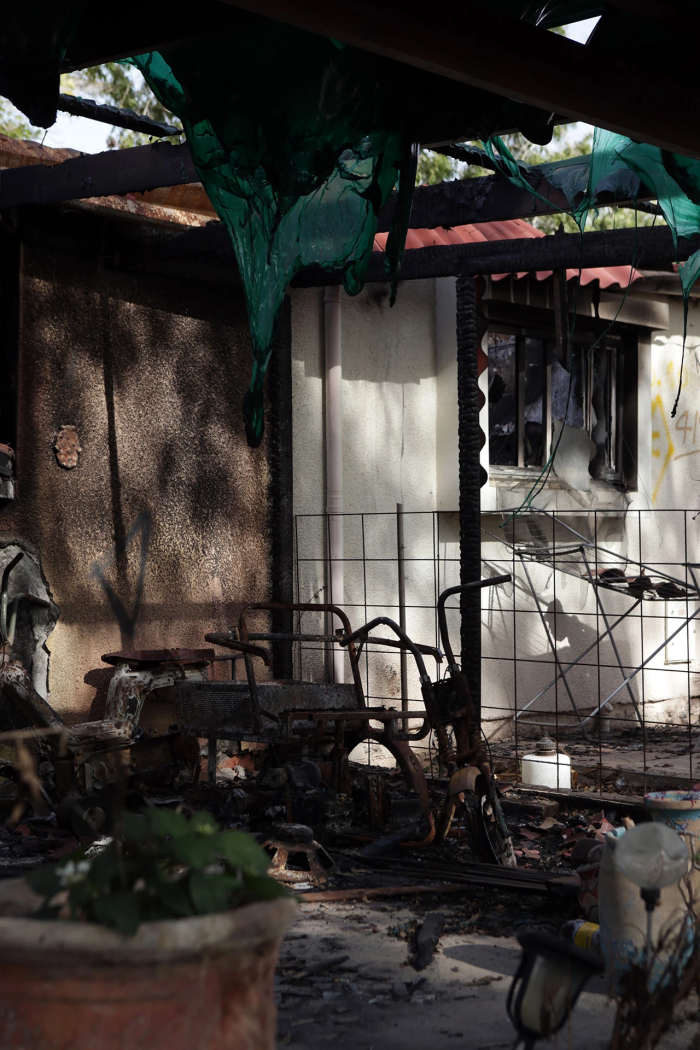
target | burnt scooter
[{"x": 471, "y": 794}]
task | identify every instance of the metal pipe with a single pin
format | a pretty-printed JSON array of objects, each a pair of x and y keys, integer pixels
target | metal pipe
[
  {"x": 334, "y": 464},
  {"x": 400, "y": 546},
  {"x": 612, "y": 638},
  {"x": 553, "y": 646},
  {"x": 366, "y": 628},
  {"x": 460, "y": 589},
  {"x": 641, "y": 667}
]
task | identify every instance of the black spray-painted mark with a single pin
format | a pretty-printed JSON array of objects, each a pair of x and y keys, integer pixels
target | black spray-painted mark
[{"x": 140, "y": 531}]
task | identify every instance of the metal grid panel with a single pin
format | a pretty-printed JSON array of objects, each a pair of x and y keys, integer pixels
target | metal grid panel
[
  {"x": 206, "y": 707},
  {"x": 530, "y": 636}
]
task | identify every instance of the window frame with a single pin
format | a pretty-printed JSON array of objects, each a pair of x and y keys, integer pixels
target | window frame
[{"x": 623, "y": 473}]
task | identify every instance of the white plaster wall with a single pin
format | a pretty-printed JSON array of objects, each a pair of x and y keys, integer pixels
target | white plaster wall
[
  {"x": 389, "y": 457},
  {"x": 668, "y": 462},
  {"x": 676, "y": 440},
  {"x": 389, "y": 391},
  {"x": 447, "y": 421},
  {"x": 400, "y": 445}
]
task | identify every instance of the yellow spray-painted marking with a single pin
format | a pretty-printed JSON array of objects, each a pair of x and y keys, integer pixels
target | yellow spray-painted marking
[{"x": 667, "y": 453}]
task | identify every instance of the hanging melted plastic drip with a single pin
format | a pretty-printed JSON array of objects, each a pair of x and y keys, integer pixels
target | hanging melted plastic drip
[{"x": 298, "y": 147}]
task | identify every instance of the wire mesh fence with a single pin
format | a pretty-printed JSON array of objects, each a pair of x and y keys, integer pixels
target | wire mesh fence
[{"x": 592, "y": 643}]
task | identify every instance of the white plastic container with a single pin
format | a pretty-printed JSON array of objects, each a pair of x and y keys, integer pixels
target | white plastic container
[
  {"x": 623, "y": 918},
  {"x": 547, "y": 767}
]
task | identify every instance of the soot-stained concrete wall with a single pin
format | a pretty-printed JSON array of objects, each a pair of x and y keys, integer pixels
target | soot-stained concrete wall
[{"x": 161, "y": 531}]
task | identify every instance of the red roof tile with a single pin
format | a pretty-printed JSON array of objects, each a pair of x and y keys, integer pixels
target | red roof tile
[{"x": 509, "y": 229}]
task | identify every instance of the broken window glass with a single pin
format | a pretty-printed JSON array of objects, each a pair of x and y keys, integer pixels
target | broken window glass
[
  {"x": 503, "y": 400},
  {"x": 606, "y": 405},
  {"x": 533, "y": 372},
  {"x": 531, "y": 391},
  {"x": 569, "y": 388},
  {"x": 517, "y": 384}
]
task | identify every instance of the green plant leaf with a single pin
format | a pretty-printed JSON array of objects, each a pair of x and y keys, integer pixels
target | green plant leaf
[
  {"x": 173, "y": 896},
  {"x": 204, "y": 823},
  {"x": 164, "y": 822},
  {"x": 103, "y": 889},
  {"x": 194, "y": 850},
  {"x": 134, "y": 827},
  {"x": 108, "y": 867},
  {"x": 44, "y": 881},
  {"x": 242, "y": 851},
  {"x": 264, "y": 887},
  {"x": 211, "y": 893},
  {"x": 120, "y": 911}
]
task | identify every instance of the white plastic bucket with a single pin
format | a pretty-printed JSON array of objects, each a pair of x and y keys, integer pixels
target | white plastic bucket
[{"x": 547, "y": 767}]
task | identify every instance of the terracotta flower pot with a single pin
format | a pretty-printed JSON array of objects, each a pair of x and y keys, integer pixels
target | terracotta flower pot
[{"x": 203, "y": 983}]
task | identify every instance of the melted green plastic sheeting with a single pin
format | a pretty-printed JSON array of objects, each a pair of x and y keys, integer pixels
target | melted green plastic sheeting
[
  {"x": 619, "y": 166},
  {"x": 298, "y": 176}
]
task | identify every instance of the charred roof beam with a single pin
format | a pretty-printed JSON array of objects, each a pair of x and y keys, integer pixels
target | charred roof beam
[
  {"x": 490, "y": 198},
  {"x": 118, "y": 118},
  {"x": 206, "y": 252}
]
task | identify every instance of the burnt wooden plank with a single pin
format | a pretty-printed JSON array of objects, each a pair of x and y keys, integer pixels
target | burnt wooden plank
[
  {"x": 98, "y": 175},
  {"x": 489, "y": 198},
  {"x": 427, "y": 939},
  {"x": 650, "y": 248}
]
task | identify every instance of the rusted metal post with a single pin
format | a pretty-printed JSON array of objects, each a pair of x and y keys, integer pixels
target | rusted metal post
[
  {"x": 211, "y": 759},
  {"x": 469, "y": 484},
  {"x": 561, "y": 318},
  {"x": 400, "y": 544},
  {"x": 334, "y": 464}
]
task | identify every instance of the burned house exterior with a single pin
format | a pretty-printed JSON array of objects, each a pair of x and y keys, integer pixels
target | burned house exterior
[
  {"x": 621, "y": 481},
  {"x": 147, "y": 520},
  {"x": 143, "y": 514}
]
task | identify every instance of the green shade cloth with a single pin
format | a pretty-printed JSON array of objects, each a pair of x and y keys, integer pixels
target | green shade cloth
[
  {"x": 299, "y": 141},
  {"x": 620, "y": 166},
  {"x": 299, "y": 174}
]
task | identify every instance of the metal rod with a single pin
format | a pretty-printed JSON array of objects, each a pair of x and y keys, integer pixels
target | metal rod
[
  {"x": 554, "y": 649},
  {"x": 334, "y": 464},
  {"x": 400, "y": 545},
  {"x": 641, "y": 667},
  {"x": 118, "y": 118},
  {"x": 211, "y": 759},
  {"x": 579, "y": 658},
  {"x": 469, "y": 450},
  {"x": 612, "y": 639}
]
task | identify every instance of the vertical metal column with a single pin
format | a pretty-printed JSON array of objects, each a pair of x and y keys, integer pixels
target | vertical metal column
[
  {"x": 334, "y": 464},
  {"x": 401, "y": 546},
  {"x": 608, "y": 631},
  {"x": 281, "y": 504},
  {"x": 469, "y": 484}
]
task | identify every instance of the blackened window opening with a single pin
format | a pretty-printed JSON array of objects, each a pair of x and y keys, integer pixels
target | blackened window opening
[
  {"x": 517, "y": 390},
  {"x": 593, "y": 391}
]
